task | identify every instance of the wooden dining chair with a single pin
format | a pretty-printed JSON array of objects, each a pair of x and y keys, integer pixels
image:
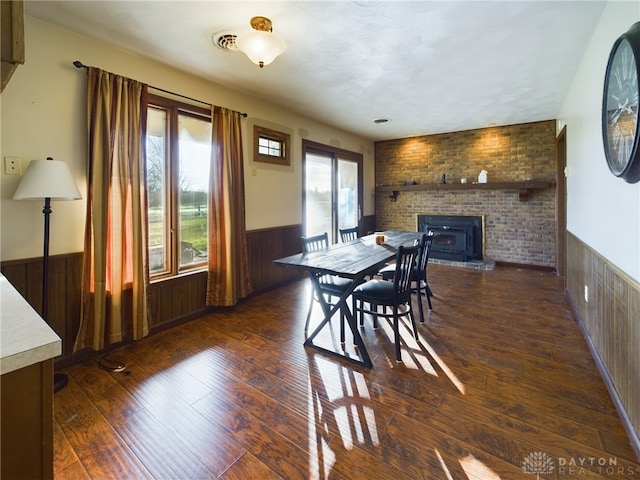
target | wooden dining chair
[
  {"x": 420, "y": 285},
  {"x": 395, "y": 295},
  {"x": 330, "y": 285},
  {"x": 348, "y": 234}
]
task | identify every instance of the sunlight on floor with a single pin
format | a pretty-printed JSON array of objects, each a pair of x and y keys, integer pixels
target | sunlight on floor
[
  {"x": 416, "y": 353},
  {"x": 338, "y": 402},
  {"x": 442, "y": 364},
  {"x": 474, "y": 468},
  {"x": 445, "y": 469},
  {"x": 413, "y": 357}
]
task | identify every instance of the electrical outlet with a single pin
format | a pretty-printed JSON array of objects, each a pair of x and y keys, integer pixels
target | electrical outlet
[
  {"x": 12, "y": 165},
  {"x": 586, "y": 294}
]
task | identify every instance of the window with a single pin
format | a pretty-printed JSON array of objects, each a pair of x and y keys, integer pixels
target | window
[
  {"x": 270, "y": 146},
  {"x": 178, "y": 157}
]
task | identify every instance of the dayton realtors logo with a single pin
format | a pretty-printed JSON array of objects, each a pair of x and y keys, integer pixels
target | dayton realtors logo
[
  {"x": 541, "y": 463},
  {"x": 538, "y": 463}
]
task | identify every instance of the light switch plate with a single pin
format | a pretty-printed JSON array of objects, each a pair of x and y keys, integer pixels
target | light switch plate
[{"x": 12, "y": 165}]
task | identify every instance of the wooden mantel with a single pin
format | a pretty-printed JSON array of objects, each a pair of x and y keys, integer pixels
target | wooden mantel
[{"x": 523, "y": 188}]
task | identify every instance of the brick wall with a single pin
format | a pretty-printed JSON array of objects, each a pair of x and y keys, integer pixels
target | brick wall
[{"x": 515, "y": 232}]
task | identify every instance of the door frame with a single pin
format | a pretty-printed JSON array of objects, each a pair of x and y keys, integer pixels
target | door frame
[
  {"x": 335, "y": 153},
  {"x": 561, "y": 202}
]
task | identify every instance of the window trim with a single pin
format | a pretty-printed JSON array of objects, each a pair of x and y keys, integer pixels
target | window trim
[{"x": 282, "y": 138}]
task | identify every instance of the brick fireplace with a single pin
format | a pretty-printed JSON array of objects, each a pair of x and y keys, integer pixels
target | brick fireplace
[{"x": 515, "y": 231}]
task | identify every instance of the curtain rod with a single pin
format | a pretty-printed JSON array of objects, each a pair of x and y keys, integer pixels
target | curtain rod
[{"x": 79, "y": 64}]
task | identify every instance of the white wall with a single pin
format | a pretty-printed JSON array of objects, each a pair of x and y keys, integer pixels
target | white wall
[
  {"x": 43, "y": 114},
  {"x": 602, "y": 210}
]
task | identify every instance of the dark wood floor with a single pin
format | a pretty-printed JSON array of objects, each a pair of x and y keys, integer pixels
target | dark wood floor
[{"x": 500, "y": 386}]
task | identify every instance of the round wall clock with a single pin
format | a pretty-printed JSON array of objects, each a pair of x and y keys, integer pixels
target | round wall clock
[{"x": 620, "y": 102}]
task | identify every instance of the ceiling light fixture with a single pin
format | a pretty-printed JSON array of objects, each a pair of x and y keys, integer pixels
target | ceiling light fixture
[{"x": 261, "y": 45}]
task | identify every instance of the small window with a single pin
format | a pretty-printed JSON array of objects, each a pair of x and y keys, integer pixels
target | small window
[{"x": 270, "y": 146}]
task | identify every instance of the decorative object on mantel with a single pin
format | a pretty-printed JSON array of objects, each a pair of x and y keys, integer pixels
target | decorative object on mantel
[
  {"x": 620, "y": 103},
  {"x": 261, "y": 45},
  {"x": 482, "y": 178},
  {"x": 48, "y": 180}
]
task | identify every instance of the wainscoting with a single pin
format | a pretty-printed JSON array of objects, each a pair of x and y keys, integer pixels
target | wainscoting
[
  {"x": 177, "y": 299},
  {"x": 170, "y": 301},
  {"x": 266, "y": 245},
  {"x": 611, "y": 322}
]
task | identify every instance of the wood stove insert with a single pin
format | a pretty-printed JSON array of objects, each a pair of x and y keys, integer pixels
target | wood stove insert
[{"x": 456, "y": 237}]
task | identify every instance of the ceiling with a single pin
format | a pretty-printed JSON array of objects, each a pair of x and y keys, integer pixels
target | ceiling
[{"x": 429, "y": 67}]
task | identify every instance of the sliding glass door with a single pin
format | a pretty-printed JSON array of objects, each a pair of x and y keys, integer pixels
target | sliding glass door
[
  {"x": 332, "y": 190},
  {"x": 348, "y": 190}
]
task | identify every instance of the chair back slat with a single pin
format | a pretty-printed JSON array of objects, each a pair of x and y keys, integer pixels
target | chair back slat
[
  {"x": 405, "y": 263},
  {"x": 315, "y": 242},
  {"x": 426, "y": 240},
  {"x": 348, "y": 234}
]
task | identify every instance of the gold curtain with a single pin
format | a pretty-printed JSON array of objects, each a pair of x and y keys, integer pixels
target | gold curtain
[
  {"x": 228, "y": 277},
  {"x": 115, "y": 270}
]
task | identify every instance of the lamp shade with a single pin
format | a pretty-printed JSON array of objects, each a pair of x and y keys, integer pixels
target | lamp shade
[
  {"x": 261, "y": 47},
  {"x": 47, "y": 179}
]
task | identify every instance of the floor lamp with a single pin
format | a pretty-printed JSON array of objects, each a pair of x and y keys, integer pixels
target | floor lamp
[{"x": 47, "y": 180}]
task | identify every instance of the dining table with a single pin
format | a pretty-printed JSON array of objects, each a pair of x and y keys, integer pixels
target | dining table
[{"x": 354, "y": 260}]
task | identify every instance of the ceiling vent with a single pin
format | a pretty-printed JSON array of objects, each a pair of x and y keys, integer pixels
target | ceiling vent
[{"x": 225, "y": 40}]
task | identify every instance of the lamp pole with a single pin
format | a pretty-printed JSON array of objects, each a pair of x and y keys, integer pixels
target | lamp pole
[{"x": 45, "y": 257}]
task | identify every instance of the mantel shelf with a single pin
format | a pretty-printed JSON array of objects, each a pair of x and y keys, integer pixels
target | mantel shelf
[{"x": 523, "y": 188}]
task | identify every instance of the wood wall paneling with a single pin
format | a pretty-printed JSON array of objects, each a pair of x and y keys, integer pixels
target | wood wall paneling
[
  {"x": 170, "y": 301},
  {"x": 610, "y": 318},
  {"x": 73, "y": 298},
  {"x": 57, "y": 298},
  {"x": 176, "y": 299},
  {"x": 264, "y": 247}
]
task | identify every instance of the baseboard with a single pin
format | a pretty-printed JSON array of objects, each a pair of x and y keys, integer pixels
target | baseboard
[
  {"x": 85, "y": 355},
  {"x": 525, "y": 266},
  {"x": 634, "y": 438},
  {"x": 174, "y": 322}
]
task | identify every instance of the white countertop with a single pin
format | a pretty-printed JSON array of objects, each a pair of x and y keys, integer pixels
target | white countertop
[{"x": 25, "y": 338}]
